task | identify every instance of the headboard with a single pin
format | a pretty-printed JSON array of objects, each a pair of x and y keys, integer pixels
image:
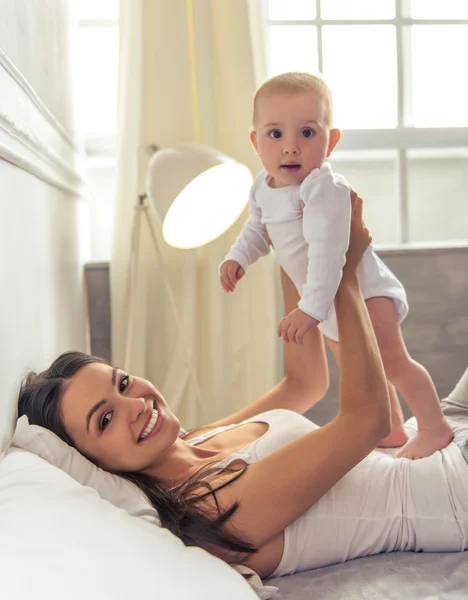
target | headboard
[{"x": 436, "y": 328}]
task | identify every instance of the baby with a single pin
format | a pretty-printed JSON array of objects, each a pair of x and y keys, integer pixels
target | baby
[{"x": 304, "y": 208}]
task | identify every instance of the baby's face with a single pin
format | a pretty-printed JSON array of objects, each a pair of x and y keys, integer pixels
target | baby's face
[{"x": 291, "y": 136}]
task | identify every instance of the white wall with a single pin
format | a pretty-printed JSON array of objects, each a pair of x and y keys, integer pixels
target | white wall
[
  {"x": 35, "y": 35},
  {"x": 42, "y": 246}
]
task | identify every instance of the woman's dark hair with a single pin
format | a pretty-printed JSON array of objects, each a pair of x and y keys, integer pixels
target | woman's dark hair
[{"x": 40, "y": 400}]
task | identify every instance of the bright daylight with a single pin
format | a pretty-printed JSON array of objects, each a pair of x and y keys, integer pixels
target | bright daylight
[{"x": 234, "y": 312}]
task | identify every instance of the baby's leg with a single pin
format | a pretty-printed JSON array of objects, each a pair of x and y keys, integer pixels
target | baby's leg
[
  {"x": 398, "y": 435},
  {"x": 411, "y": 380},
  {"x": 455, "y": 408},
  {"x": 306, "y": 364}
]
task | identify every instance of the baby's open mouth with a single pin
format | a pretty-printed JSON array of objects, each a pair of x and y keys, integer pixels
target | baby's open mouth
[{"x": 291, "y": 167}]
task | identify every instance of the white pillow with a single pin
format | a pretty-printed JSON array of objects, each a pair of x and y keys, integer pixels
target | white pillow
[
  {"x": 119, "y": 492},
  {"x": 59, "y": 539},
  {"x": 112, "y": 488}
]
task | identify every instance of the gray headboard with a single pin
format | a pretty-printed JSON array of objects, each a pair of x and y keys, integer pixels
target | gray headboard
[{"x": 436, "y": 328}]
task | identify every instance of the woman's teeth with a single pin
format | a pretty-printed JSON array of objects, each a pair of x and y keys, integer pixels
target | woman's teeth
[{"x": 151, "y": 424}]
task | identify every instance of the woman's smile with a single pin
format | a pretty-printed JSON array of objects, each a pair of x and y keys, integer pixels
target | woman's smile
[{"x": 152, "y": 425}]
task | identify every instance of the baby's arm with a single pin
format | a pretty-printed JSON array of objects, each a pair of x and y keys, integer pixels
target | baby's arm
[
  {"x": 326, "y": 223},
  {"x": 251, "y": 244}
]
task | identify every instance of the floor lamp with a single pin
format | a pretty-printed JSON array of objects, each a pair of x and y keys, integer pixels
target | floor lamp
[{"x": 194, "y": 194}]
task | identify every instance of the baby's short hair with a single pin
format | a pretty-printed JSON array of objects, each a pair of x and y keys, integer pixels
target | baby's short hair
[{"x": 293, "y": 83}]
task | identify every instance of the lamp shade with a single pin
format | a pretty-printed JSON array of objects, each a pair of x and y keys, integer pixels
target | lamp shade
[{"x": 197, "y": 193}]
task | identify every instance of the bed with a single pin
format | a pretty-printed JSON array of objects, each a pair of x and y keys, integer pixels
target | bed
[
  {"x": 396, "y": 576},
  {"x": 71, "y": 530}
]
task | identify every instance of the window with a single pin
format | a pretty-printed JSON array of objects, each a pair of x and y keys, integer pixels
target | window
[
  {"x": 401, "y": 101},
  {"x": 95, "y": 85}
]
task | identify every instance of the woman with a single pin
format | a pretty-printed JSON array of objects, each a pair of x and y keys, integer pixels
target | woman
[{"x": 266, "y": 487}]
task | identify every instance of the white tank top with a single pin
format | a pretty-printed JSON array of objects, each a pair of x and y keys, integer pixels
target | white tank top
[{"x": 384, "y": 504}]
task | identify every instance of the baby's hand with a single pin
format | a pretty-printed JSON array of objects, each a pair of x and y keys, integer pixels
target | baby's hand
[
  {"x": 229, "y": 275},
  {"x": 294, "y": 326}
]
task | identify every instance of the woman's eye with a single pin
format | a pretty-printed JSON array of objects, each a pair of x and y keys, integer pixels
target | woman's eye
[
  {"x": 308, "y": 132},
  {"x": 275, "y": 134},
  {"x": 123, "y": 384},
  {"x": 106, "y": 419}
]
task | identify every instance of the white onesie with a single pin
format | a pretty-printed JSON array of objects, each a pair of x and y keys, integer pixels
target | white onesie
[{"x": 311, "y": 243}]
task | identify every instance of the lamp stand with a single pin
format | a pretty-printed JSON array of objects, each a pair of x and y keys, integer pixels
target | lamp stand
[{"x": 141, "y": 213}]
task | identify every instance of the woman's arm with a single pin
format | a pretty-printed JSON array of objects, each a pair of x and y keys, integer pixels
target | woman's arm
[{"x": 278, "y": 489}]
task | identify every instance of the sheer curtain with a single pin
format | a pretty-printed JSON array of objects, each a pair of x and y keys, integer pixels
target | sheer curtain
[{"x": 188, "y": 72}]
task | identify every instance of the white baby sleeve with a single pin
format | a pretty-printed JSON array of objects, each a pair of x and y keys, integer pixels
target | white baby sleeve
[
  {"x": 326, "y": 224},
  {"x": 252, "y": 242}
]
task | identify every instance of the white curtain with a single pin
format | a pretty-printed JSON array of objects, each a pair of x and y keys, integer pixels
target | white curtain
[{"x": 188, "y": 72}]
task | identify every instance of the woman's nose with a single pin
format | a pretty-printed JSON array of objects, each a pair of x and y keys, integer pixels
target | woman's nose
[{"x": 136, "y": 407}]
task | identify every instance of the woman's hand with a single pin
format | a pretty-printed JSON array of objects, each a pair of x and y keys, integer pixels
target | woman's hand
[{"x": 360, "y": 238}]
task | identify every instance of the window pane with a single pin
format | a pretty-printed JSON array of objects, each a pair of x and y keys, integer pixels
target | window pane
[
  {"x": 358, "y": 9},
  {"x": 97, "y": 9},
  {"x": 359, "y": 64},
  {"x": 101, "y": 189},
  {"x": 96, "y": 80},
  {"x": 440, "y": 90},
  {"x": 293, "y": 10},
  {"x": 373, "y": 176},
  {"x": 435, "y": 9},
  {"x": 292, "y": 48},
  {"x": 438, "y": 198}
]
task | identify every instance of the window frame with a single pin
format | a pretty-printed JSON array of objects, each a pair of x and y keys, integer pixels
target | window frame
[{"x": 403, "y": 139}]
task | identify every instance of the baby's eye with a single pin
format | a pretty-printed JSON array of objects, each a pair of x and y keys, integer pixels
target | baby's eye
[
  {"x": 123, "y": 383},
  {"x": 275, "y": 134},
  {"x": 106, "y": 419},
  {"x": 307, "y": 132}
]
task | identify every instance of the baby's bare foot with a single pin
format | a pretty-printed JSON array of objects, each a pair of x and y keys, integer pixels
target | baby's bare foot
[
  {"x": 427, "y": 441},
  {"x": 396, "y": 438}
]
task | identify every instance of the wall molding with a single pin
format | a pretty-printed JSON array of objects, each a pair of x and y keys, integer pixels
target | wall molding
[{"x": 32, "y": 138}]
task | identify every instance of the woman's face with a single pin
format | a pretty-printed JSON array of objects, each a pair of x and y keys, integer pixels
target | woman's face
[{"x": 123, "y": 423}]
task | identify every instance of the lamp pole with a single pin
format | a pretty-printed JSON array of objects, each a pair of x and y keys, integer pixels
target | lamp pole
[{"x": 141, "y": 211}]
